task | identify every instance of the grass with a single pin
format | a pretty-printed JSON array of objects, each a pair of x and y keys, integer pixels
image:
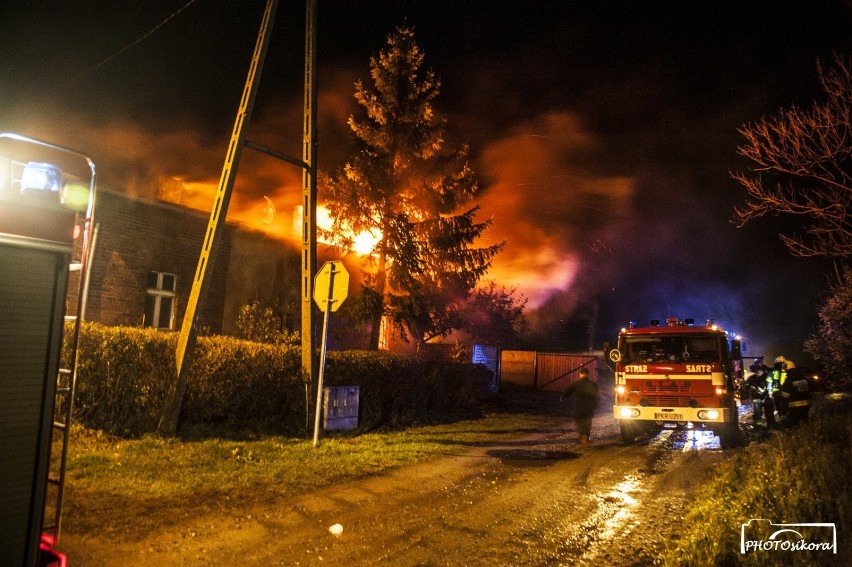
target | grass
[
  {"x": 794, "y": 477},
  {"x": 141, "y": 483},
  {"x": 152, "y": 483}
]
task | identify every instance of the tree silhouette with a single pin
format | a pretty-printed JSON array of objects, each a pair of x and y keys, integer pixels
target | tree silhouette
[
  {"x": 804, "y": 163},
  {"x": 803, "y": 159},
  {"x": 403, "y": 187},
  {"x": 831, "y": 343}
]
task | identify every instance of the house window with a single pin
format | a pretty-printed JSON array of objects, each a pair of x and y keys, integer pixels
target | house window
[{"x": 160, "y": 300}]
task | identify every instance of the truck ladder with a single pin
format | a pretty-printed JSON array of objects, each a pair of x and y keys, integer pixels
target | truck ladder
[{"x": 66, "y": 382}]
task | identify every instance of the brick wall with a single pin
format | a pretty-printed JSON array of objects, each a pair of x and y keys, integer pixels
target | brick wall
[
  {"x": 265, "y": 270},
  {"x": 134, "y": 237}
]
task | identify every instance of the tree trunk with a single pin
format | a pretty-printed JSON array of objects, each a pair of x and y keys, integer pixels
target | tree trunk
[{"x": 381, "y": 285}]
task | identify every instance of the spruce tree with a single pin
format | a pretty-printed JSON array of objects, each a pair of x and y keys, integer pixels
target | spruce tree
[{"x": 403, "y": 186}]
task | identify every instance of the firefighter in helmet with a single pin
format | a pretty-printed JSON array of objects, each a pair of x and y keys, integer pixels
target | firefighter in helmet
[
  {"x": 758, "y": 387},
  {"x": 776, "y": 378},
  {"x": 795, "y": 396}
]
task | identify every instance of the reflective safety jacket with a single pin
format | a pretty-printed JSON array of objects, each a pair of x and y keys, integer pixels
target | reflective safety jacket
[
  {"x": 774, "y": 381},
  {"x": 795, "y": 390},
  {"x": 758, "y": 383}
]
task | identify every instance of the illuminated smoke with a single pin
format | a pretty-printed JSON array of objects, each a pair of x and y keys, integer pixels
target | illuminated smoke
[
  {"x": 591, "y": 250},
  {"x": 545, "y": 204}
]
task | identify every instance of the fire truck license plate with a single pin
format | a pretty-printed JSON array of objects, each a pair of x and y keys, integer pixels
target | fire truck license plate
[{"x": 668, "y": 416}]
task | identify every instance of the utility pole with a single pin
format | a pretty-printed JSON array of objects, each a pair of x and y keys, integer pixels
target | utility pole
[
  {"x": 309, "y": 200},
  {"x": 189, "y": 328},
  {"x": 308, "y": 163}
]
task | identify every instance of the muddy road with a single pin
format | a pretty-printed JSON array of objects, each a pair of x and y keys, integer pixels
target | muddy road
[{"x": 532, "y": 501}]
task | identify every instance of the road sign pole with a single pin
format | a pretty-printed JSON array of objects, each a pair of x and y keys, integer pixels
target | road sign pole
[{"x": 323, "y": 349}]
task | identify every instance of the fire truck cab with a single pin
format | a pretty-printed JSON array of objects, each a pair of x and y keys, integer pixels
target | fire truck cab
[
  {"x": 675, "y": 375},
  {"x": 45, "y": 215}
]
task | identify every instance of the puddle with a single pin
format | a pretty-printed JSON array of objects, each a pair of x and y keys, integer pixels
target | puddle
[
  {"x": 620, "y": 505},
  {"x": 531, "y": 457},
  {"x": 695, "y": 440}
]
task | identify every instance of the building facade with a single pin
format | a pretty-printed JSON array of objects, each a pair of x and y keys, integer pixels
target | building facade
[{"x": 144, "y": 259}]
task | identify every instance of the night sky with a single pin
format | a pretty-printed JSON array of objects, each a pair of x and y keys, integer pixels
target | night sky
[{"x": 602, "y": 133}]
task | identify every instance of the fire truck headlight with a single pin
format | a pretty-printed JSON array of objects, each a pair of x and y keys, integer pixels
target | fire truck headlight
[
  {"x": 620, "y": 390},
  {"x": 39, "y": 176},
  {"x": 629, "y": 412},
  {"x": 708, "y": 414}
]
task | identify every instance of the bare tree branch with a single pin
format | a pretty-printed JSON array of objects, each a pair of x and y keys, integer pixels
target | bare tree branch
[{"x": 803, "y": 162}]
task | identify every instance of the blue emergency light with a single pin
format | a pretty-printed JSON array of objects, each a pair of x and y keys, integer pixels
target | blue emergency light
[{"x": 40, "y": 176}]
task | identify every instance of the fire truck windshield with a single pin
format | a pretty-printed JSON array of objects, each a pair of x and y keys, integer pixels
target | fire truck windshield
[{"x": 673, "y": 349}]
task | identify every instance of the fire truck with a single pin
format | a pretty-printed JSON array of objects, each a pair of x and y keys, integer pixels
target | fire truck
[
  {"x": 47, "y": 199},
  {"x": 676, "y": 375}
]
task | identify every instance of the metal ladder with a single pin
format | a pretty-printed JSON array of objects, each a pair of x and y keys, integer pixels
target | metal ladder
[{"x": 66, "y": 383}]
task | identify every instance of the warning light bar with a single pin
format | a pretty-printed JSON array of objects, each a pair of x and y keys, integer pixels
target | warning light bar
[
  {"x": 41, "y": 182},
  {"x": 38, "y": 176}
]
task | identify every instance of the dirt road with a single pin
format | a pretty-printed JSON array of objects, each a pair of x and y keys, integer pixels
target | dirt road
[{"x": 532, "y": 501}]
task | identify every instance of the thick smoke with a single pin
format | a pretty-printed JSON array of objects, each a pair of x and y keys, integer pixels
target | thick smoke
[
  {"x": 598, "y": 230},
  {"x": 576, "y": 240}
]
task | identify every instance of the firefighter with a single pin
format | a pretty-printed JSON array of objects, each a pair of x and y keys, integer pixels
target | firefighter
[
  {"x": 758, "y": 387},
  {"x": 777, "y": 377},
  {"x": 586, "y": 403},
  {"x": 795, "y": 395}
]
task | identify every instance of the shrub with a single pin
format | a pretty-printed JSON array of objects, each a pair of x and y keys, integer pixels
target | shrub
[
  {"x": 258, "y": 323},
  {"x": 122, "y": 377},
  {"x": 398, "y": 390},
  {"x": 236, "y": 385},
  {"x": 831, "y": 345},
  {"x": 245, "y": 385}
]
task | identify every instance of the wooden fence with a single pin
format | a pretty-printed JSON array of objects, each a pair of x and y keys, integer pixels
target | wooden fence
[{"x": 548, "y": 371}]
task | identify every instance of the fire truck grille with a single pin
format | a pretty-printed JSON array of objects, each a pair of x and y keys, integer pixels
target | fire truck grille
[
  {"x": 672, "y": 387},
  {"x": 666, "y": 401}
]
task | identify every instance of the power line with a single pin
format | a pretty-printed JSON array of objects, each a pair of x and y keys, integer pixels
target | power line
[{"x": 134, "y": 43}]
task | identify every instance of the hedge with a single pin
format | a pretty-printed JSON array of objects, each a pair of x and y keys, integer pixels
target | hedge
[{"x": 124, "y": 374}]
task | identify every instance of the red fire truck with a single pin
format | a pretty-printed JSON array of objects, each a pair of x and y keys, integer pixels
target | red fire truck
[
  {"x": 47, "y": 197},
  {"x": 676, "y": 375}
]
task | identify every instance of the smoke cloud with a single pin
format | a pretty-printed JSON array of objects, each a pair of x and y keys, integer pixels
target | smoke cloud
[{"x": 544, "y": 205}]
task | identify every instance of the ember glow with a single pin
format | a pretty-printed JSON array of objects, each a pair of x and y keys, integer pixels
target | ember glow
[
  {"x": 362, "y": 243},
  {"x": 365, "y": 242}
]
